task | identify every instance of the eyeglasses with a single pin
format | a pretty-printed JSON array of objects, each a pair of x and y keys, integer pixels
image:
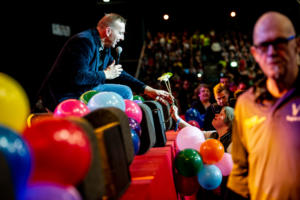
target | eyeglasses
[{"x": 279, "y": 43}]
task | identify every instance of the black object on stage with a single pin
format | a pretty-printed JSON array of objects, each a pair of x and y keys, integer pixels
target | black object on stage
[
  {"x": 103, "y": 116},
  {"x": 148, "y": 137},
  {"x": 159, "y": 122},
  {"x": 6, "y": 183},
  {"x": 92, "y": 187}
]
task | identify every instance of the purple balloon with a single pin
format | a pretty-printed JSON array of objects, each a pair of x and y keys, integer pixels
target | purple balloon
[
  {"x": 137, "y": 101},
  {"x": 135, "y": 126},
  {"x": 51, "y": 191}
]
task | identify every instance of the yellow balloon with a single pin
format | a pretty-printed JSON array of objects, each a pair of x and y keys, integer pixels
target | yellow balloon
[{"x": 14, "y": 103}]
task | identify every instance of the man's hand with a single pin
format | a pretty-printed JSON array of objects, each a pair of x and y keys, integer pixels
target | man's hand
[
  {"x": 113, "y": 71},
  {"x": 159, "y": 95}
]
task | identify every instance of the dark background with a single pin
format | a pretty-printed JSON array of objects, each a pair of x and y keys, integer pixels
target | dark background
[{"x": 30, "y": 47}]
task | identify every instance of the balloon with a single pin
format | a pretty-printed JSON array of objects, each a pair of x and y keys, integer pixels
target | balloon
[
  {"x": 18, "y": 157},
  {"x": 189, "y": 137},
  {"x": 139, "y": 98},
  {"x": 201, "y": 119},
  {"x": 188, "y": 162},
  {"x": 137, "y": 101},
  {"x": 211, "y": 151},
  {"x": 135, "y": 126},
  {"x": 85, "y": 97},
  {"x": 51, "y": 191},
  {"x": 225, "y": 164},
  {"x": 133, "y": 110},
  {"x": 186, "y": 186},
  {"x": 210, "y": 177},
  {"x": 136, "y": 141},
  {"x": 14, "y": 103},
  {"x": 106, "y": 99},
  {"x": 71, "y": 107},
  {"x": 194, "y": 123},
  {"x": 191, "y": 114},
  {"x": 61, "y": 151}
]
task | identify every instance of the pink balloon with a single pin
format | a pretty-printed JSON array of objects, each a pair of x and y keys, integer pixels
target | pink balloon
[
  {"x": 71, "y": 107},
  {"x": 133, "y": 110},
  {"x": 190, "y": 137},
  {"x": 225, "y": 164}
]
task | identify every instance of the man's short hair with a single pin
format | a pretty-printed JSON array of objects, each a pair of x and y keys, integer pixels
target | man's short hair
[
  {"x": 202, "y": 85},
  {"x": 219, "y": 88},
  {"x": 109, "y": 19}
]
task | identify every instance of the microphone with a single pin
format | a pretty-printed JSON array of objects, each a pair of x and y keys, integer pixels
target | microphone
[{"x": 119, "y": 51}]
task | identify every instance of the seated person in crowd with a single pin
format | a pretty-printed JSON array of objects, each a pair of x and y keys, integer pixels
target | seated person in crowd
[
  {"x": 203, "y": 101},
  {"x": 225, "y": 80},
  {"x": 222, "y": 122},
  {"x": 221, "y": 94}
]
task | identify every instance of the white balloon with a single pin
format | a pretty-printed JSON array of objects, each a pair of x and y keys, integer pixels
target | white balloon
[
  {"x": 106, "y": 99},
  {"x": 190, "y": 137}
]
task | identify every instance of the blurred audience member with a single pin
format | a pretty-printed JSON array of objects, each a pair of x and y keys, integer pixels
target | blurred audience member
[{"x": 265, "y": 137}]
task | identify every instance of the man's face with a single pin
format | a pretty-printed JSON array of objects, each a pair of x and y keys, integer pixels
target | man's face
[
  {"x": 225, "y": 81},
  {"x": 186, "y": 85},
  {"x": 275, "y": 51},
  {"x": 204, "y": 94},
  {"x": 222, "y": 98},
  {"x": 117, "y": 32}
]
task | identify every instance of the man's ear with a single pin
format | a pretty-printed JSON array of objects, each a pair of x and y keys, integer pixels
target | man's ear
[
  {"x": 108, "y": 31},
  {"x": 298, "y": 44},
  {"x": 254, "y": 53}
]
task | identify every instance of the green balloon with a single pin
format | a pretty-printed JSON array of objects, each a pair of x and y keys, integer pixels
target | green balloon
[
  {"x": 137, "y": 97},
  {"x": 85, "y": 97},
  {"x": 188, "y": 162}
]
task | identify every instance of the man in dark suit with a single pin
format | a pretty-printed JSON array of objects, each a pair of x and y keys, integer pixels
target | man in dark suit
[{"x": 86, "y": 63}]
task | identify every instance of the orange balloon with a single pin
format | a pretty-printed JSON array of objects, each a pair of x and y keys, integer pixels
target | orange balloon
[{"x": 211, "y": 151}]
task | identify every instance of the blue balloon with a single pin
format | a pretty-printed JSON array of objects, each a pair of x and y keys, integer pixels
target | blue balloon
[
  {"x": 201, "y": 119},
  {"x": 210, "y": 177},
  {"x": 192, "y": 114},
  {"x": 106, "y": 99},
  {"x": 17, "y": 154},
  {"x": 135, "y": 126},
  {"x": 51, "y": 191},
  {"x": 135, "y": 140}
]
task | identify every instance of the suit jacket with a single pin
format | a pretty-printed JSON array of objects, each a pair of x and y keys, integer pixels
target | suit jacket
[{"x": 80, "y": 67}]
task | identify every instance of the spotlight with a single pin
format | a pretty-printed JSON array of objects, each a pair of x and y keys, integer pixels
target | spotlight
[
  {"x": 232, "y": 14},
  {"x": 166, "y": 17},
  {"x": 233, "y": 64}
]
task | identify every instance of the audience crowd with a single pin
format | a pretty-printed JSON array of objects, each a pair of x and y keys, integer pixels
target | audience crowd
[{"x": 197, "y": 58}]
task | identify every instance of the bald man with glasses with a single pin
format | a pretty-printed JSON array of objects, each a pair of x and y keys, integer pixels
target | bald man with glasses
[{"x": 266, "y": 131}]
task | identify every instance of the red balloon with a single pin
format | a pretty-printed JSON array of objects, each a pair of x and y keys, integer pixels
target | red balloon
[
  {"x": 186, "y": 186},
  {"x": 194, "y": 123},
  {"x": 211, "y": 151},
  {"x": 60, "y": 149},
  {"x": 71, "y": 107},
  {"x": 133, "y": 110}
]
